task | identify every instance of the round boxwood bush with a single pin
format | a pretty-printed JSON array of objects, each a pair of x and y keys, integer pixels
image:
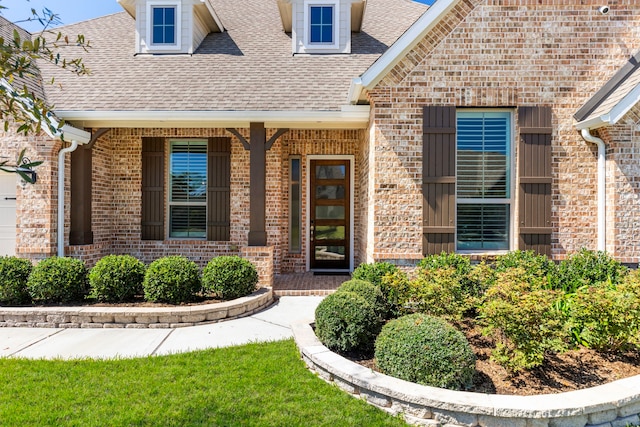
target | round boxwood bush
[
  {"x": 346, "y": 322},
  {"x": 369, "y": 292},
  {"x": 116, "y": 278},
  {"x": 425, "y": 350},
  {"x": 58, "y": 280},
  {"x": 14, "y": 273},
  {"x": 374, "y": 273},
  {"x": 172, "y": 279},
  {"x": 229, "y": 277}
]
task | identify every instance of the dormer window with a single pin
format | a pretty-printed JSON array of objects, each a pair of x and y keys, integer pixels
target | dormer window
[
  {"x": 321, "y": 24},
  {"x": 163, "y": 24}
]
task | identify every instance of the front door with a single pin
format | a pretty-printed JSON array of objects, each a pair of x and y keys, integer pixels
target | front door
[{"x": 330, "y": 214}]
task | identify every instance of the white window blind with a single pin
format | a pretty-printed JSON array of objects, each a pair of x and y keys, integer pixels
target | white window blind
[{"x": 188, "y": 194}]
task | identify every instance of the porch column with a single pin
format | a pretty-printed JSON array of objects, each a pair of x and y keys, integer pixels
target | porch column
[{"x": 258, "y": 185}]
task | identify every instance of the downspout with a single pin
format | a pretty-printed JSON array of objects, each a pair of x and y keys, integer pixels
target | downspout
[
  {"x": 602, "y": 182},
  {"x": 61, "y": 176}
]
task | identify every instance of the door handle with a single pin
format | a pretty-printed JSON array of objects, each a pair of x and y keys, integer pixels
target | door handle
[
  {"x": 10, "y": 198},
  {"x": 311, "y": 230}
]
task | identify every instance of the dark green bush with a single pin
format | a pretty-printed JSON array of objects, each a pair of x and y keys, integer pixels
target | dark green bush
[
  {"x": 369, "y": 292},
  {"x": 439, "y": 292},
  {"x": 586, "y": 268},
  {"x": 229, "y": 277},
  {"x": 346, "y": 322},
  {"x": 425, "y": 350},
  {"x": 14, "y": 273},
  {"x": 116, "y": 278},
  {"x": 522, "y": 316},
  {"x": 58, "y": 280},
  {"x": 374, "y": 273},
  {"x": 172, "y": 279},
  {"x": 606, "y": 317}
]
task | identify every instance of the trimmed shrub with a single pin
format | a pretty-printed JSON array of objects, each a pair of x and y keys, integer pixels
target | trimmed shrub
[
  {"x": 523, "y": 318},
  {"x": 229, "y": 277},
  {"x": 58, "y": 280},
  {"x": 461, "y": 267},
  {"x": 346, "y": 322},
  {"x": 172, "y": 279},
  {"x": 606, "y": 317},
  {"x": 425, "y": 350},
  {"x": 369, "y": 292},
  {"x": 439, "y": 292},
  {"x": 116, "y": 278},
  {"x": 14, "y": 273},
  {"x": 586, "y": 268},
  {"x": 374, "y": 273},
  {"x": 396, "y": 289},
  {"x": 532, "y": 263}
]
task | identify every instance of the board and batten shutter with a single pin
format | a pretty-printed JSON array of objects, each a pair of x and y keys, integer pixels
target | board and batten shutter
[
  {"x": 534, "y": 166},
  {"x": 219, "y": 189},
  {"x": 439, "y": 179},
  {"x": 153, "y": 181}
]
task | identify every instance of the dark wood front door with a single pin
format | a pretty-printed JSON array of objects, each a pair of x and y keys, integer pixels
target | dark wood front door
[{"x": 330, "y": 214}]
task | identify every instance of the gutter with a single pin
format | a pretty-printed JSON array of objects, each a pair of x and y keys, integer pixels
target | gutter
[{"x": 602, "y": 185}]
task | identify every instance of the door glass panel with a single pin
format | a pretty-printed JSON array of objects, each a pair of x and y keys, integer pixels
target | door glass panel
[
  {"x": 330, "y": 232},
  {"x": 330, "y": 192},
  {"x": 329, "y": 212},
  {"x": 331, "y": 172},
  {"x": 330, "y": 253}
]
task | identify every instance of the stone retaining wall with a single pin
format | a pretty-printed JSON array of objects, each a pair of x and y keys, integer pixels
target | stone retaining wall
[
  {"x": 134, "y": 317},
  {"x": 616, "y": 404}
]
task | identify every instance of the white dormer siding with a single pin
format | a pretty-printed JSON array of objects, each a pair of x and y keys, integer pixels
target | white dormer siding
[
  {"x": 171, "y": 26},
  {"x": 309, "y": 33}
]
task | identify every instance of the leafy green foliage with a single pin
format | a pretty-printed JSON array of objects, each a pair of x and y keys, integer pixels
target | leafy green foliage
[
  {"x": 116, "y": 278},
  {"x": 522, "y": 316},
  {"x": 439, "y": 292},
  {"x": 172, "y": 279},
  {"x": 396, "y": 289},
  {"x": 369, "y": 292},
  {"x": 14, "y": 273},
  {"x": 461, "y": 267},
  {"x": 374, "y": 273},
  {"x": 533, "y": 264},
  {"x": 58, "y": 280},
  {"x": 229, "y": 277},
  {"x": 605, "y": 316},
  {"x": 587, "y": 268},
  {"x": 346, "y": 322},
  {"x": 426, "y": 350}
]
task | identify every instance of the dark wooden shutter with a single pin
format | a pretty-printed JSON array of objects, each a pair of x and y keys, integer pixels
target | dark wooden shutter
[
  {"x": 81, "y": 196},
  {"x": 153, "y": 210},
  {"x": 439, "y": 179},
  {"x": 219, "y": 189},
  {"x": 534, "y": 166}
]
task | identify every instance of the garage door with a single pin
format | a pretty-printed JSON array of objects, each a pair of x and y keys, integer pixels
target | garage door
[{"x": 7, "y": 213}]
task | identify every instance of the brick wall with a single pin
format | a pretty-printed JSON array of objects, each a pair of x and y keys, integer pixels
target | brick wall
[{"x": 509, "y": 53}]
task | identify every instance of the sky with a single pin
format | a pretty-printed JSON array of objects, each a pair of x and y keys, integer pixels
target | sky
[{"x": 68, "y": 11}]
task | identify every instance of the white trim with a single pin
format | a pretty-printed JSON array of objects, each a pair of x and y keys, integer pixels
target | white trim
[
  {"x": 164, "y": 47},
  {"x": 615, "y": 114},
  {"x": 308, "y": 45},
  {"x": 350, "y": 117},
  {"x": 400, "y": 48},
  {"x": 307, "y": 181}
]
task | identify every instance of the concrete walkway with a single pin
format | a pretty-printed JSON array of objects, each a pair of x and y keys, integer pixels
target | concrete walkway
[{"x": 271, "y": 324}]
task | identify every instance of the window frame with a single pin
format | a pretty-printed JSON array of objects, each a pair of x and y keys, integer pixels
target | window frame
[
  {"x": 309, "y": 45},
  {"x": 177, "y": 5},
  {"x": 511, "y": 185},
  {"x": 298, "y": 211},
  {"x": 169, "y": 203}
]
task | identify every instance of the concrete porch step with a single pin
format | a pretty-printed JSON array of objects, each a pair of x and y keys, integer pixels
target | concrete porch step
[{"x": 307, "y": 284}]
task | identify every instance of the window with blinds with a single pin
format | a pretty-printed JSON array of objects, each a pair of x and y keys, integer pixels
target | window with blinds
[
  {"x": 188, "y": 189},
  {"x": 483, "y": 181}
]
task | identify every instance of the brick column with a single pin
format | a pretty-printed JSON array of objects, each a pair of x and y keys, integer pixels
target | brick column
[{"x": 262, "y": 258}]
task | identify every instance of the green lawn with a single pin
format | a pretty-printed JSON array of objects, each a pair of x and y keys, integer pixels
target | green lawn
[{"x": 252, "y": 385}]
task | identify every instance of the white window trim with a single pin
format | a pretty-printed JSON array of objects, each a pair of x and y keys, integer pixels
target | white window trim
[
  {"x": 511, "y": 201},
  {"x": 169, "y": 203},
  {"x": 164, "y": 47},
  {"x": 307, "y": 25}
]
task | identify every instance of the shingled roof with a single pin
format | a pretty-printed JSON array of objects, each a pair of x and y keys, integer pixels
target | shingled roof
[{"x": 249, "y": 67}]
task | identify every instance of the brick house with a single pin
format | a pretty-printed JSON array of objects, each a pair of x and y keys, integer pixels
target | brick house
[{"x": 309, "y": 135}]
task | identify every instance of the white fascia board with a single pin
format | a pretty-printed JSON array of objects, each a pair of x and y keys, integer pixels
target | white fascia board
[
  {"x": 349, "y": 117},
  {"x": 615, "y": 114},
  {"x": 214, "y": 15},
  {"x": 400, "y": 48}
]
